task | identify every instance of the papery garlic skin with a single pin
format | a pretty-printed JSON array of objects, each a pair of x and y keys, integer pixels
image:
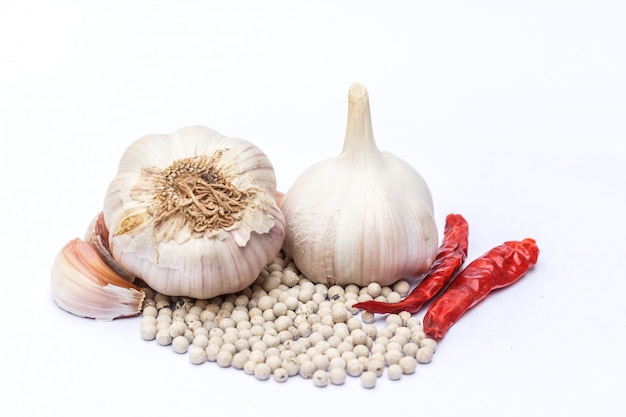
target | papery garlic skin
[
  {"x": 364, "y": 216},
  {"x": 84, "y": 285},
  {"x": 163, "y": 218}
]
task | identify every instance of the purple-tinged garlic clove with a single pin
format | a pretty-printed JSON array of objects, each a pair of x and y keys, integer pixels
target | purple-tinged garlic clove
[
  {"x": 84, "y": 285},
  {"x": 97, "y": 235}
]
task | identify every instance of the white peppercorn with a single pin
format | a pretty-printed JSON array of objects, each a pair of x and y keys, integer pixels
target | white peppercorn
[
  {"x": 412, "y": 322},
  {"x": 291, "y": 365},
  {"x": 149, "y": 331},
  {"x": 337, "y": 375},
  {"x": 378, "y": 347},
  {"x": 201, "y": 341},
  {"x": 348, "y": 356},
  {"x": 393, "y": 345},
  {"x": 418, "y": 336},
  {"x": 268, "y": 315},
  {"x": 361, "y": 351},
  {"x": 163, "y": 337},
  {"x": 344, "y": 347},
  {"x": 272, "y": 282},
  {"x": 337, "y": 362},
  {"x": 322, "y": 346},
  {"x": 163, "y": 326},
  {"x": 150, "y": 311},
  {"x": 207, "y": 316},
  {"x": 211, "y": 352},
  {"x": 334, "y": 340},
  {"x": 354, "y": 323},
  {"x": 367, "y": 317},
  {"x": 402, "y": 287},
  {"x": 228, "y": 347},
  {"x": 262, "y": 371},
  {"x": 424, "y": 354},
  {"x": 320, "y": 378},
  {"x": 393, "y": 319},
  {"x": 399, "y": 339},
  {"x": 370, "y": 330},
  {"x": 408, "y": 364},
  {"x": 180, "y": 344},
  {"x": 274, "y": 362},
  {"x": 321, "y": 361},
  {"x": 201, "y": 331},
  {"x": 284, "y": 336},
  {"x": 410, "y": 349},
  {"x": 393, "y": 297},
  {"x": 386, "y": 290},
  {"x": 188, "y": 334},
  {"x": 307, "y": 368},
  {"x": 238, "y": 316},
  {"x": 290, "y": 278},
  {"x": 350, "y": 302},
  {"x": 364, "y": 297},
  {"x": 197, "y": 355},
  {"x": 384, "y": 332},
  {"x": 280, "y": 374},
  {"x": 306, "y": 294},
  {"x": 378, "y": 356},
  {"x": 177, "y": 328},
  {"x": 224, "y": 358},
  {"x": 368, "y": 379},
  {"x": 316, "y": 337},
  {"x": 393, "y": 356},
  {"x": 256, "y": 356},
  {"x": 428, "y": 342},
  {"x": 240, "y": 358},
  {"x": 354, "y": 367},
  {"x": 304, "y": 329},
  {"x": 249, "y": 367},
  {"x": 394, "y": 372},
  {"x": 374, "y": 289}
]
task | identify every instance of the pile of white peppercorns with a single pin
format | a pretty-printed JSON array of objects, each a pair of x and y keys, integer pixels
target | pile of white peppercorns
[{"x": 284, "y": 325}]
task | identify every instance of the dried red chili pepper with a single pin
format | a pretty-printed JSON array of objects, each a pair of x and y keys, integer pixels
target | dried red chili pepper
[
  {"x": 450, "y": 257},
  {"x": 500, "y": 267}
]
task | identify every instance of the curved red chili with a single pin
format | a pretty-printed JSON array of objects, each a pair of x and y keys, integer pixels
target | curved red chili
[
  {"x": 500, "y": 267},
  {"x": 450, "y": 257}
]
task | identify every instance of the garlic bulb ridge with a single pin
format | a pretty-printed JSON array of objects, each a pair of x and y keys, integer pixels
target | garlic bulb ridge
[{"x": 363, "y": 216}]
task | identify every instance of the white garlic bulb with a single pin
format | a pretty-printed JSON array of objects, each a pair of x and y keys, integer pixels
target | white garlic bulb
[
  {"x": 194, "y": 213},
  {"x": 364, "y": 216}
]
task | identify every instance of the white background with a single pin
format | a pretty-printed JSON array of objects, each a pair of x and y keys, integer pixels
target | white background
[{"x": 512, "y": 111}]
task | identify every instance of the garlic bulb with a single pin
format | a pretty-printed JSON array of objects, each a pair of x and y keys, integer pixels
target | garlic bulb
[
  {"x": 194, "y": 213},
  {"x": 84, "y": 285},
  {"x": 364, "y": 216}
]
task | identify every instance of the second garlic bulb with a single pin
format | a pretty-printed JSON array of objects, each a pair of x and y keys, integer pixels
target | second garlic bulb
[{"x": 364, "y": 216}]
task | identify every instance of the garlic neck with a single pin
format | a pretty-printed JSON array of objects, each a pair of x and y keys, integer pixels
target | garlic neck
[{"x": 359, "y": 145}]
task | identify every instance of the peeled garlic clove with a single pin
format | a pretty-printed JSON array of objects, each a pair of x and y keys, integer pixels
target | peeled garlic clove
[
  {"x": 194, "y": 213},
  {"x": 97, "y": 236},
  {"x": 364, "y": 216},
  {"x": 84, "y": 285}
]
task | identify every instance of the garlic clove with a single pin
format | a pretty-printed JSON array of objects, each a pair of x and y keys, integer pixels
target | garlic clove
[
  {"x": 84, "y": 285},
  {"x": 97, "y": 235}
]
